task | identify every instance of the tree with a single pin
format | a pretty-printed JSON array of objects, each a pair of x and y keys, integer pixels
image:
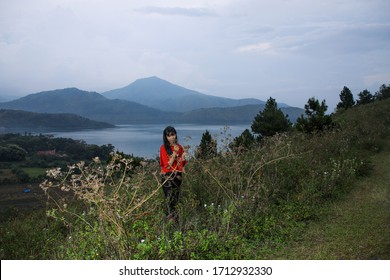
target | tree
[
  {"x": 270, "y": 121},
  {"x": 365, "y": 97},
  {"x": 383, "y": 93},
  {"x": 245, "y": 140},
  {"x": 12, "y": 152},
  {"x": 316, "y": 120},
  {"x": 207, "y": 147},
  {"x": 346, "y": 98}
]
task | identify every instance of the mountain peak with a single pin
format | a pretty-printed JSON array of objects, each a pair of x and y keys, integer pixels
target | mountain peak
[
  {"x": 163, "y": 95},
  {"x": 151, "y": 78},
  {"x": 154, "y": 83}
]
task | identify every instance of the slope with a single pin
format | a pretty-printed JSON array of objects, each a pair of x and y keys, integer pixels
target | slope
[{"x": 356, "y": 227}]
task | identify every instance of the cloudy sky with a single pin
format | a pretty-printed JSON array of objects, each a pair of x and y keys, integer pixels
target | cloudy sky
[{"x": 288, "y": 49}]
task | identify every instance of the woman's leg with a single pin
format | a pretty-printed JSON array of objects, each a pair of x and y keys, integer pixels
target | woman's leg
[{"x": 171, "y": 188}]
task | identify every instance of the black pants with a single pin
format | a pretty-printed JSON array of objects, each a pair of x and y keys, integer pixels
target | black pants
[{"x": 171, "y": 187}]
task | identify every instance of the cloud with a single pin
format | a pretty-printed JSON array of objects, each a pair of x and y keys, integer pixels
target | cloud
[
  {"x": 177, "y": 11},
  {"x": 320, "y": 39},
  {"x": 259, "y": 47},
  {"x": 377, "y": 79}
]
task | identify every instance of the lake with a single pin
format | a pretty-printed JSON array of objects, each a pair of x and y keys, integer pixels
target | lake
[{"x": 145, "y": 140}]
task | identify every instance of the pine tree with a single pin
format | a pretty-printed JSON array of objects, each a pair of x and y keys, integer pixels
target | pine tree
[
  {"x": 347, "y": 100},
  {"x": 365, "y": 97},
  {"x": 315, "y": 120},
  {"x": 207, "y": 147},
  {"x": 245, "y": 140},
  {"x": 383, "y": 93},
  {"x": 270, "y": 121}
]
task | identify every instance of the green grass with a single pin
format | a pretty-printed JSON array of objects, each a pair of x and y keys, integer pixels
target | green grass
[
  {"x": 357, "y": 226},
  {"x": 35, "y": 172}
]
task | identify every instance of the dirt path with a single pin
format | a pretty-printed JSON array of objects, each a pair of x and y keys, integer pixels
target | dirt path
[{"x": 356, "y": 227}]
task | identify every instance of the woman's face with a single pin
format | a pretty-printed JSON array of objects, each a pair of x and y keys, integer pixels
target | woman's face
[{"x": 171, "y": 138}]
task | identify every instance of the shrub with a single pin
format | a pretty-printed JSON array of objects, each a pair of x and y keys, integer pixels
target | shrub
[{"x": 108, "y": 204}]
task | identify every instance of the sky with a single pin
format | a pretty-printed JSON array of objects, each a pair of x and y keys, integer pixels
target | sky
[{"x": 290, "y": 50}]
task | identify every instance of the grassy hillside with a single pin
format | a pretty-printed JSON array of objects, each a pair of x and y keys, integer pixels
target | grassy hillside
[
  {"x": 354, "y": 227},
  {"x": 295, "y": 196}
]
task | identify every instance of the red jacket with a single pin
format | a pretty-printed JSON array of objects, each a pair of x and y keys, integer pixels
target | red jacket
[{"x": 178, "y": 164}]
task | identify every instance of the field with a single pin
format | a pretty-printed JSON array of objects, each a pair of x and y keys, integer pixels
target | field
[
  {"x": 21, "y": 196},
  {"x": 35, "y": 172}
]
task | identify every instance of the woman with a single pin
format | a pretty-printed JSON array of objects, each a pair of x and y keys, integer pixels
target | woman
[{"x": 172, "y": 162}]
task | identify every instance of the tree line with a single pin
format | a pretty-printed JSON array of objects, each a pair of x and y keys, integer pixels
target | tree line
[
  {"x": 271, "y": 120},
  {"x": 18, "y": 147}
]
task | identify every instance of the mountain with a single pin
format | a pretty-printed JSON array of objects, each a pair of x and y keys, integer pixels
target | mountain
[
  {"x": 231, "y": 115},
  {"x": 5, "y": 98},
  {"x": 160, "y": 94},
  {"x": 90, "y": 105},
  {"x": 97, "y": 107},
  {"x": 16, "y": 120}
]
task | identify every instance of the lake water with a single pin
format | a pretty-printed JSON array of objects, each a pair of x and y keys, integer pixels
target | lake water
[{"x": 145, "y": 140}]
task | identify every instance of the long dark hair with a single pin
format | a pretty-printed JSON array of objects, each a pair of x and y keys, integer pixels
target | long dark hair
[{"x": 167, "y": 145}]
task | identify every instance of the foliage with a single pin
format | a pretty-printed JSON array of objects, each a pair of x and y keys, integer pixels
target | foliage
[
  {"x": 244, "y": 141},
  {"x": 316, "y": 119},
  {"x": 270, "y": 121},
  {"x": 44, "y": 151},
  {"x": 383, "y": 93},
  {"x": 347, "y": 100},
  {"x": 64, "y": 147},
  {"x": 365, "y": 97},
  {"x": 12, "y": 152},
  {"x": 30, "y": 235},
  {"x": 207, "y": 147},
  {"x": 109, "y": 198}
]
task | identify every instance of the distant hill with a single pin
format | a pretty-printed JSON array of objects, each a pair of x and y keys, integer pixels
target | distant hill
[
  {"x": 239, "y": 114},
  {"x": 5, "y": 98},
  {"x": 90, "y": 105},
  {"x": 160, "y": 94},
  {"x": 95, "y": 106},
  {"x": 16, "y": 120}
]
